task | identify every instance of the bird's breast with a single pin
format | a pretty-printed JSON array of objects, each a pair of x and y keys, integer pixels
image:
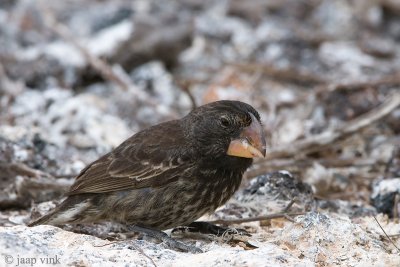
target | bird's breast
[
  {"x": 177, "y": 203},
  {"x": 217, "y": 186}
]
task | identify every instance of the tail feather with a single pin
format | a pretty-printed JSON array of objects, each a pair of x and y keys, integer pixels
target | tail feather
[
  {"x": 46, "y": 219},
  {"x": 71, "y": 210}
]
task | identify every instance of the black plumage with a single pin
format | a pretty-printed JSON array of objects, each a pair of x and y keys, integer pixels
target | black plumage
[{"x": 170, "y": 174}]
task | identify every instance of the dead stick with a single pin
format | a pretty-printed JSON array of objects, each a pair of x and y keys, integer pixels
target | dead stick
[
  {"x": 109, "y": 243},
  {"x": 392, "y": 80},
  {"x": 108, "y": 73},
  {"x": 279, "y": 74},
  {"x": 23, "y": 170},
  {"x": 135, "y": 247},
  {"x": 287, "y": 208},
  {"x": 141, "y": 251},
  {"x": 255, "y": 219},
  {"x": 316, "y": 142},
  {"x": 388, "y": 237},
  {"x": 294, "y": 164},
  {"x": 396, "y": 206}
]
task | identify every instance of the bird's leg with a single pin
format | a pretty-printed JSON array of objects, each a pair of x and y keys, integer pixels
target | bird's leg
[
  {"x": 163, "y": 237},
  {"x": 209, "y": 228}
]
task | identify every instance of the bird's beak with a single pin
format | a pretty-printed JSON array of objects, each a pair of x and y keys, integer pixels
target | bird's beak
[{"x": 251, "y": 142}]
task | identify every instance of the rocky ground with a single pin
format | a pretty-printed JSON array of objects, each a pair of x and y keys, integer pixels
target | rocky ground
[{"x": 78, "y": 77}]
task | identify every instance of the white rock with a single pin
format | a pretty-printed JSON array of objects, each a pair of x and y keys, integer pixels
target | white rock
[{"x": 312, "y": 240}]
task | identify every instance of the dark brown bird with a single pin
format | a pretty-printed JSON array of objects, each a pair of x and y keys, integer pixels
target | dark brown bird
[{"x": 170, "y": 174}]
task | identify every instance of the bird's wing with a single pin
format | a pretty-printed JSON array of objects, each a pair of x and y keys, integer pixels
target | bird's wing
[{"x": 150, "y": 158}]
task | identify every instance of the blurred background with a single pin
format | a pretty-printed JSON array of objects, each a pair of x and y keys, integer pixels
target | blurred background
[{"x": 78, "y": 77}]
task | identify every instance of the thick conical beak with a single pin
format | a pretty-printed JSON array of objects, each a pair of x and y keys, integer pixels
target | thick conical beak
[{"x": 251, "y": 142}]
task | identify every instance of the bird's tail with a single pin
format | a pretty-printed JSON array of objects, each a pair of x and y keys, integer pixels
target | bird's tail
[
  {"x": 70, "y": 210},
  {"x": 46, "y": 219}
]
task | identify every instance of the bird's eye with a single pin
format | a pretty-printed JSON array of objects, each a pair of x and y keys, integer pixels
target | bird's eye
[{"x": 225, "y": 121}]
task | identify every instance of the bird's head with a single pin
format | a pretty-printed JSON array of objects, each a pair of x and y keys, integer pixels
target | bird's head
[{"x": 226, "y": 129}]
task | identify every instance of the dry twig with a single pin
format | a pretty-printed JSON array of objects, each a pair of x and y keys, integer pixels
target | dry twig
[
  {"x": 144, "y": 254},
  {"x": 389, "y": 80},
  {"x": 135, "y": 247},
  {"x": 283, "y": 214},
  {"x": 287, "y": 208},
  {"x": 255, "y": 219},
  {"x": 396, "y": 207},
  {"x": 116, "y": 74},
  {"x": 21, "y": 169},
  {"x": 109, "y": 243},
  {"x": 287, "y": 75},
  {"x": 184, "y": 85},
  {"x": 292, "y": 164},
  {"x": 317, "y": 142},
  {"x": 388, "y": 237}
]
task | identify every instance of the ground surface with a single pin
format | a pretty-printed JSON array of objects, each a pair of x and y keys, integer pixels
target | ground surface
[{"x": 79, "y": 77}]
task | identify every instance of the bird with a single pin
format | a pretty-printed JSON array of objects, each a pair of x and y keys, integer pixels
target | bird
[{"x": 169, "y": 174}]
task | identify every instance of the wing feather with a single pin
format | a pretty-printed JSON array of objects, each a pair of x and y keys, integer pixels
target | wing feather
[{"x": 150, "y": 158}]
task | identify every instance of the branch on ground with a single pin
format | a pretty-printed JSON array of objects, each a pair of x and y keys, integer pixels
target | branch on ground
[
  {"x": 113, "y": 74},
  {"x": 321, "y": 141}
]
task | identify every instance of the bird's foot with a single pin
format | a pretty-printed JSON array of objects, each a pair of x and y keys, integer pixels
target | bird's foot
[
  {"x": 209, "y": 228},
  {"x": 167, "y": 240}
]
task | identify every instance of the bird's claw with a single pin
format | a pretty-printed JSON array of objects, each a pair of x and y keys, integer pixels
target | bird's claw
[
  {"x": 168, "y": 241},
  {"x": 208, "y": 228},
  {"x": 179, "y": 246}
]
